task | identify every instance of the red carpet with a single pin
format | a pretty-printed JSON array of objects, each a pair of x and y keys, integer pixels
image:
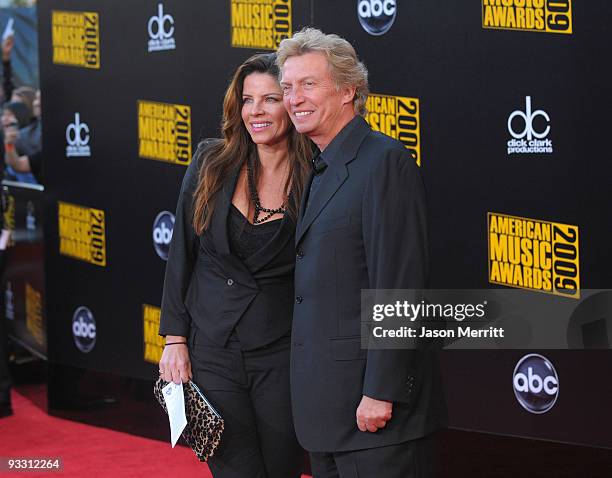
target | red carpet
[
  {"x": 89, "y": 451},
  {"x": 92, "y": 452}
]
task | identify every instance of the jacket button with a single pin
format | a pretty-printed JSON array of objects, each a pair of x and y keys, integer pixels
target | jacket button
[
  {"x": 298, "y": 299},
  {"x": 230, "y": 282},
  {"x": 300, "y": 254}
]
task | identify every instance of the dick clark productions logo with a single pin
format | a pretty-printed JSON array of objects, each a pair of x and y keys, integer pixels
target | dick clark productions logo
[
  {"x": 77, "y": 138},
  {"x": 529, "y": 130},
  {"x": 376, "y": 16},
  {"x": 536, "y": 383},
  {"x": 161, "y": 31}
]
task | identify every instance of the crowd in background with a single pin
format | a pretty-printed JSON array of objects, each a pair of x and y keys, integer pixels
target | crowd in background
[
  {"x": 21, "y": 160},
  {"x": 20, "y": 125}
]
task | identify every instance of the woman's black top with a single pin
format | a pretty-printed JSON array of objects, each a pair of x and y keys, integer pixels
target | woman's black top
[
  {"x": 221, "y": 282},
  {"x": 246, "y": 238}
]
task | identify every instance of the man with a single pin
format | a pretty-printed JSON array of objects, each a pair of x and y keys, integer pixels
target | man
[{"x": 362, "y": 225}]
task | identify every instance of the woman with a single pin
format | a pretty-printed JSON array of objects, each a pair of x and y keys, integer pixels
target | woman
[{"x": 228, "y": 290}]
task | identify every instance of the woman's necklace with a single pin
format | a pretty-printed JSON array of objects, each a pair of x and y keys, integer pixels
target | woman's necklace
[{"x": 255, "y": 198}]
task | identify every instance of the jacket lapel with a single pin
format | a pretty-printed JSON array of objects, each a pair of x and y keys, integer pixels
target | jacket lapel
[
  {"x": 333, "y": 178},
  {"x": 304, "y": 196},
  {"x": 232, "y": 265},
  {"x": 335, "y": 175},
  {"x": 219, "y": 220}
]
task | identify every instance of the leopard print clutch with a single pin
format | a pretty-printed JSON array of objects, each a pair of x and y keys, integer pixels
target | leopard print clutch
[{"x": 204, "y": 424}]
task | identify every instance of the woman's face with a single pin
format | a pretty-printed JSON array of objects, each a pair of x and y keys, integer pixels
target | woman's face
[{"x": 263, "y": 112}]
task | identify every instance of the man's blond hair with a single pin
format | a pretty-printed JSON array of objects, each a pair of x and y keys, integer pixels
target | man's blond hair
[{"x": 345, "y": 68}]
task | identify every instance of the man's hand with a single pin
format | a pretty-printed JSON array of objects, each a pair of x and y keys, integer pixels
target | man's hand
[
  {"x": 7, "y": 47},
  {"x": 373, "y": 414}
]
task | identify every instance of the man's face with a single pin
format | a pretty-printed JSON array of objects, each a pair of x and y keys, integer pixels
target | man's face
[{"x": 311, "y": 98}]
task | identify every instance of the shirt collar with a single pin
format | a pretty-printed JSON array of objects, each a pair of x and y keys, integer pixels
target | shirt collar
[{"x": 329, "y": 153}]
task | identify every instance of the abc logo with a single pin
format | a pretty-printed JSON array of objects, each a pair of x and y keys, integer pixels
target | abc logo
[
  {"x": 162, "y": 233},
  {"x": 84, "y": 329},
  {"x": 77, "y": 133},
  {"x": 157, "y": 25},
  {"x": 527, "y": 118},
  {"x": 536, "y": 384},
  {"x": 376, "y": 16}
]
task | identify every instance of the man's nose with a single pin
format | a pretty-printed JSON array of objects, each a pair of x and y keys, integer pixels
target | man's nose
[{"x": 295, "y": 97}]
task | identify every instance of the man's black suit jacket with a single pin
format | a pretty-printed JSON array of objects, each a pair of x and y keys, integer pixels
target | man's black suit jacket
[{"x": 364, "y": 228}]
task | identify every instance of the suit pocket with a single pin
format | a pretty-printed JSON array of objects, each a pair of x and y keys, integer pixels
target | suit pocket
[{"x": 347, "y": 348}]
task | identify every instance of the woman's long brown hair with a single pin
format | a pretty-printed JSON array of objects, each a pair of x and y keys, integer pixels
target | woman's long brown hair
[{"x": 234, "y": 149}]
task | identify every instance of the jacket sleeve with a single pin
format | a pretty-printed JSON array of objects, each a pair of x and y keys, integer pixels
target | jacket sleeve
[
  {"x": 175, "y": 319},
  {"x": 395, "y": 240}
]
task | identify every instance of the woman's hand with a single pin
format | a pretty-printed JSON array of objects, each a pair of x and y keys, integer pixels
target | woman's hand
[
  {"x": 7, "y": 47},
  {"x": 175, "y": 365}
]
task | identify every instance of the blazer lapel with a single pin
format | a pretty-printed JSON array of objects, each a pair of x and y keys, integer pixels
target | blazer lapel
[
  {"x": 335, "y": 175},
  {"x": 333, "y": 178},
  {"x": 219, "y": 220},
  {"x": 232, "y": 265},
  {"x": 303, "y": 202}
]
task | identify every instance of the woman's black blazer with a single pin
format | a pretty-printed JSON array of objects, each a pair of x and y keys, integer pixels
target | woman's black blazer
[{"x": 209, "y": 289}]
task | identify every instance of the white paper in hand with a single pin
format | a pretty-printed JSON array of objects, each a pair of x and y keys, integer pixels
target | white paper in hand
[
  {"x": 175, "y": 404},
  {"x": 8, "y": 31}
]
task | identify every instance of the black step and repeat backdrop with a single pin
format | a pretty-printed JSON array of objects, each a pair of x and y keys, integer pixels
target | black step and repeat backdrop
[{"x": 503, "y": 103}]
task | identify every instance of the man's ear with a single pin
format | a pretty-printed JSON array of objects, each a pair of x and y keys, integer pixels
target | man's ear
[{"x": 348, "y": 94}]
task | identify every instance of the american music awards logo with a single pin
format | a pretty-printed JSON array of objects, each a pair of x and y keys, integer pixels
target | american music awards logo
[
  {"x": 534, "y": 254},
  {"x": 546, "y": 16},
  {"x": 161, "y": 31},
  {"x": 260, "y": 24},
  {"x": 77, "y": 138},
  {"x": 75, "y": 38},
  {"x": 153, "y": 343},
  {"x": 82, "y": 233},
  {"x": 398, "y": 117}
]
